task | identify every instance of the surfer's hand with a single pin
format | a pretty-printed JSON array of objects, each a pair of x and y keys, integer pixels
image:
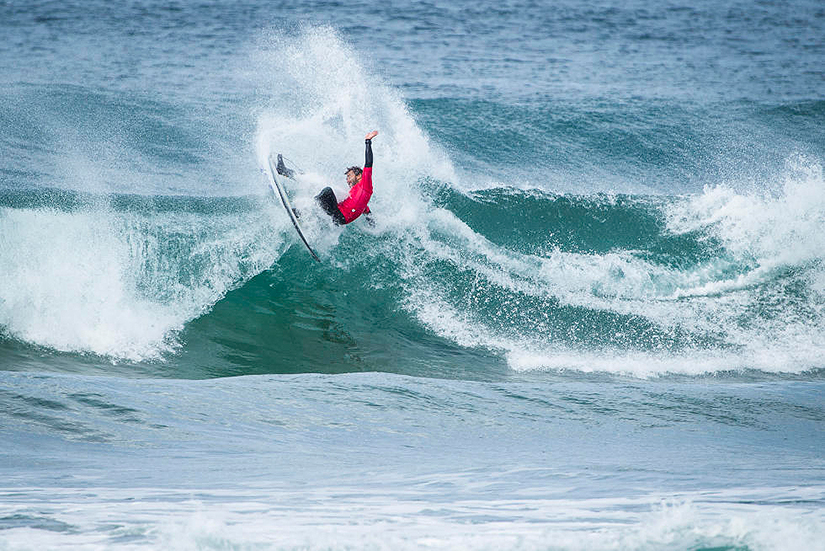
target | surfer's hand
[{"x": 371, "y": 135}]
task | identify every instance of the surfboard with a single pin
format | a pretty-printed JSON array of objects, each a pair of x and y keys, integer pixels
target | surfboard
[{"x": 276, "y": 185}]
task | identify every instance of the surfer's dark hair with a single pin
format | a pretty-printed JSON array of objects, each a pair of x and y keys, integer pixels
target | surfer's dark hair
[{"x": 356, "y": 169}]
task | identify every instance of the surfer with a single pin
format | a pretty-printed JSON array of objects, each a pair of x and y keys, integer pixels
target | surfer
[{"x": 360, "y": 184}]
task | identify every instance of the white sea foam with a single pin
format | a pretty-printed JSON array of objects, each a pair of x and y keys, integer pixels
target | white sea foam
[
  {"x": 117, "y": 284},
  {"x": 774, "y": 229},
  {"x": 334, "y": 518}
]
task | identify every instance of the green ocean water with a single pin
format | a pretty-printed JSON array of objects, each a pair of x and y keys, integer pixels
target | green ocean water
[{"x": 512, "y": 272}]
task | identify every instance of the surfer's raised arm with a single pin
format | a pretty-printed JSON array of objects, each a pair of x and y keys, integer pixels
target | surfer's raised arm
[{"x": 368, "y": 155}]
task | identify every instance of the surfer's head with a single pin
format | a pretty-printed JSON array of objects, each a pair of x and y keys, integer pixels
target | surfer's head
[{"x": 353, "y": 175}]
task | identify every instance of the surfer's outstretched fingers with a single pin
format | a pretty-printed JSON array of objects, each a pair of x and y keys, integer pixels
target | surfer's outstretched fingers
[{"x": 371, "y": 135}]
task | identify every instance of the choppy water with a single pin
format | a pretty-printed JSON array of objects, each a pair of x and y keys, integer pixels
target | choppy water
[{"x": 591, "y": 313}]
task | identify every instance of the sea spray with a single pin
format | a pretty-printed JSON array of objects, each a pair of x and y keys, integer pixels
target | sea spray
[{"x": 120, "y": 283}]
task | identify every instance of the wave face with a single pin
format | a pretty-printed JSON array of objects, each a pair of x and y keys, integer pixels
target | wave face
[{"x": 484, "y": 257}]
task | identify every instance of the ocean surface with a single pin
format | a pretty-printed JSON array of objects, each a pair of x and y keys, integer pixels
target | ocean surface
[{"x": 590, "y": 314}]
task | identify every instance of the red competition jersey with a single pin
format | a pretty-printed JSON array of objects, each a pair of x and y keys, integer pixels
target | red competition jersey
[{"x": 359, "y": 195}]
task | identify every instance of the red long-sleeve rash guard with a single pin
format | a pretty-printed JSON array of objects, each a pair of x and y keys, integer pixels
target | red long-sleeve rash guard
[{"x": 356, "y": 203}]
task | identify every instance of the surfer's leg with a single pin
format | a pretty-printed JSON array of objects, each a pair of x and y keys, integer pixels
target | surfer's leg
[{"x": 329, "y": 203}]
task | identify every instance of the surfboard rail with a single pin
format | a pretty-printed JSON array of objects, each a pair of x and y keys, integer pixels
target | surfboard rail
[{"x": 279, "y": 191}]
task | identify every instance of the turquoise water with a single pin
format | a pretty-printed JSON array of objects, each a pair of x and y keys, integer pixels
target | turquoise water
[{"x": 591, "y": 313}]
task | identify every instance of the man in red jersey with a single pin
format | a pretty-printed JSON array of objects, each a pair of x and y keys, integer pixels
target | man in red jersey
[{"x": 360, "y": 184}]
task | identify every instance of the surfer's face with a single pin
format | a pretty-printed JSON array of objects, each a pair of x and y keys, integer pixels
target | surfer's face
[{"x": 352, "y": 178}]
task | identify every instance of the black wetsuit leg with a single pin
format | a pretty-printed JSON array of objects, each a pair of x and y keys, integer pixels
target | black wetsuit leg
[{"x": 329, "y": 203}]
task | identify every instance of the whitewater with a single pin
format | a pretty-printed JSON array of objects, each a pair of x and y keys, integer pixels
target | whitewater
[{"x": 590, "y": 313}]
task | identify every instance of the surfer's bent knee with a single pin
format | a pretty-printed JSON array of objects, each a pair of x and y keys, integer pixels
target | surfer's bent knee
[{"x": 326, "y": 199}]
